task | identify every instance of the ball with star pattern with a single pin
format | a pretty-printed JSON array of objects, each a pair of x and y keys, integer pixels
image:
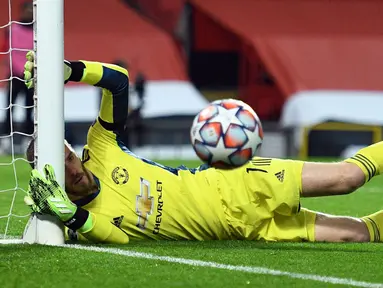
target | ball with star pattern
[{"x": 226, "y": 134}]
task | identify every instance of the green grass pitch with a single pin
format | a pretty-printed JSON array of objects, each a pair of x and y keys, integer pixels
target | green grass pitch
[{"x": 173, "y": 264}]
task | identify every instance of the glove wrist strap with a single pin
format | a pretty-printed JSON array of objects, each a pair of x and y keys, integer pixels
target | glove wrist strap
[
  {"x": 78, "y": 68},
  {"x": 78, "y": 220}
]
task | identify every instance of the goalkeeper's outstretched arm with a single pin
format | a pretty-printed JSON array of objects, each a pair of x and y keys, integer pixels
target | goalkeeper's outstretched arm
[
  {"x": 113, "y": 79},
  {"x": 115, "y": 93}
]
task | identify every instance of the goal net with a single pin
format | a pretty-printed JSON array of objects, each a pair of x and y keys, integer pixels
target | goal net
[
  {"x": 15, "y": 110},
  {"x": 27, "y": 114}
]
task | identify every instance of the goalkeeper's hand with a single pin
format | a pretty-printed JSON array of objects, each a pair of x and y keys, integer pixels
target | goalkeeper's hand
[
  {"x": 30, "y": 65},
  {"x": 45, "y": 195}
]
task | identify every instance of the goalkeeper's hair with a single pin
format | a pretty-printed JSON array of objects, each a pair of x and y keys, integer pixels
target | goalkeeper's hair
[{"x": 30, "y": 153}]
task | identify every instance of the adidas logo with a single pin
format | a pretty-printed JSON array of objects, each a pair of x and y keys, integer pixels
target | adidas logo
[
  {"x": 280, "y": 175},
  {"x": 117, "y": 221}
]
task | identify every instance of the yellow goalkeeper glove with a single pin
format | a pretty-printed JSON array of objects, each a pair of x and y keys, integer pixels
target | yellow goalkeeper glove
[
  {"x": 47, "y": 196},
  {"x": 30, "y": 65}
]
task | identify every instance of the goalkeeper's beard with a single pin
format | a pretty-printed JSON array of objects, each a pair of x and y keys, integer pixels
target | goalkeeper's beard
[{"x": 78, "y": 191}]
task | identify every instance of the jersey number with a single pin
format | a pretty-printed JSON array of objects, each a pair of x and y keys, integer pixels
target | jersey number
[
  {"x": 144, "y": 204},
  {"x": 262, "y": 162}
]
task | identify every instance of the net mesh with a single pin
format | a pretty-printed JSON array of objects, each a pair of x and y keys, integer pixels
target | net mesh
[{"x": 16, "y": 122}]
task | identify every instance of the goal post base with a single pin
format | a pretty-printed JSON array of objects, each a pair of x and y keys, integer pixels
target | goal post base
[{"x": 44, "y": 229}]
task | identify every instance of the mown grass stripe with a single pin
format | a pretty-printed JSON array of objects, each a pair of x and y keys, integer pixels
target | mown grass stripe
[{"x": 248, "y": 269}]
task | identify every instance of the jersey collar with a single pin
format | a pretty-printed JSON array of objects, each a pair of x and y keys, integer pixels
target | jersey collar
[{"x": 89, "y": 198}]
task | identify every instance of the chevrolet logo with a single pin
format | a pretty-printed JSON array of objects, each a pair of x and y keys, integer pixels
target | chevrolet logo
[{"x": 144, "y": 204}]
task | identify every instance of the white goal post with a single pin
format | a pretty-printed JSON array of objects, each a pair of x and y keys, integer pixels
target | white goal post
[
  {"x": 49, "y": 110},
  {"x": 49, "y": 104}
]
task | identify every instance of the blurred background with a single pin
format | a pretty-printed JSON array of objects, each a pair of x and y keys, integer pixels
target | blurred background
[{"x": 312, "y": 70}]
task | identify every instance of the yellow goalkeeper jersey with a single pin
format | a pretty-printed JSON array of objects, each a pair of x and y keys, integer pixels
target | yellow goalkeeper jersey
[{"x": 138, "y": 198}]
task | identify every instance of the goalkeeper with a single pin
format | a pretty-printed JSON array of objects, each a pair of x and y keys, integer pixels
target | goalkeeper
[{"x": 112, "y": 195}]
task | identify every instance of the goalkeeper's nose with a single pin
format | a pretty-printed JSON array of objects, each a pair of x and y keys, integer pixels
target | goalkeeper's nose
[{"x": 71, "y": 171}]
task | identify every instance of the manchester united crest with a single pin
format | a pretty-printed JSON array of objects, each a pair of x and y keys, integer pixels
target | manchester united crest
[{"x": 120, "y": 175}]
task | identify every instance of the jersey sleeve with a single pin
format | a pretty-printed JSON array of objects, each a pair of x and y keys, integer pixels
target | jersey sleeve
[
  {"x": 103, "y": 231},
  {"x": 114, "y": 81}
]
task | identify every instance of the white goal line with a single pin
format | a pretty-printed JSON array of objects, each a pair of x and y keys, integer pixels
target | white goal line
[{"x": 11, "y": 241}]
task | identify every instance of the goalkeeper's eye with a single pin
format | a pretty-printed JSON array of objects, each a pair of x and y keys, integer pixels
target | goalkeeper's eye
[{"x": 70, "y": 157}]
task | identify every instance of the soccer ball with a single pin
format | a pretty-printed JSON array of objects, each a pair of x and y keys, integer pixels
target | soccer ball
[{"x": 226, "y": 134}]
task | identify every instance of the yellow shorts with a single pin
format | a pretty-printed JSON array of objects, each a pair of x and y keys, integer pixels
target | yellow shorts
[
  {"x": 299, "y": 227},
  {"x": 261, "y": 200}
]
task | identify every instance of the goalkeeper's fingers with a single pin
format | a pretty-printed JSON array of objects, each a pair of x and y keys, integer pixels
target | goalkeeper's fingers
[
  {"x": 40, "y": 186},
  {"x": 51, "y": 177},
  {"x": 28, "y": 70},
  {"x": 49, "y": 173},
  {"x": 35, "y": 175},
  {"x": 28, "y": 79},
  {"x": 67, "y": 70},
  {"x": 30, "y": 56},
  {"x": 28, "y": 67}
]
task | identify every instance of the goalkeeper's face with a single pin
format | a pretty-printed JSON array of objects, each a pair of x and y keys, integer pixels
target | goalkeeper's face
[{"x": 78, "y": 180}]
